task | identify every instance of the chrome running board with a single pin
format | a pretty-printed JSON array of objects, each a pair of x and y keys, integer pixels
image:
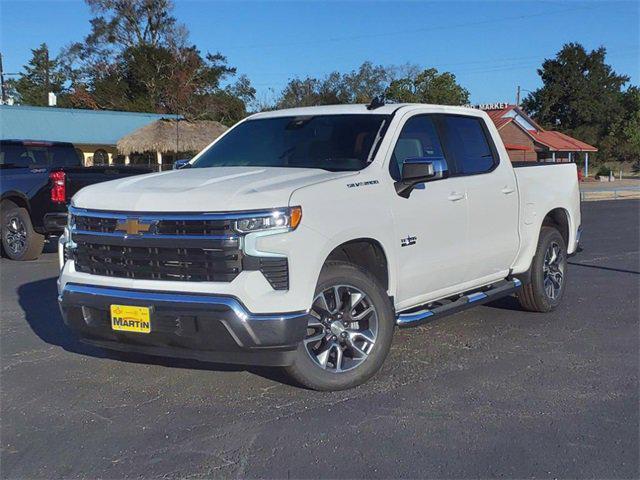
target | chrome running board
[{"x": 419, "y": 315}]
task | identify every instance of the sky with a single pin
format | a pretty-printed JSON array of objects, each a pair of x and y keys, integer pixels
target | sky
[{"x": 491, "y": 47}]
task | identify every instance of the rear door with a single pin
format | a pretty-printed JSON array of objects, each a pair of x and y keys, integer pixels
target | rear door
[
  {"x": 24, "y": 169},
  {"x": 492, "y": 197},
  {"x": 430, "y": 225}
]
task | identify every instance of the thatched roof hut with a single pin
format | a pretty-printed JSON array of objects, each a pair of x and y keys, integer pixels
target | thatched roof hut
[{"x": 169, "y": 135}]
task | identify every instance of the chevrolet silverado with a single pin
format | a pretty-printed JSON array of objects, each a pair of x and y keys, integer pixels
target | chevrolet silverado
[{"x": 301, "y": 238}]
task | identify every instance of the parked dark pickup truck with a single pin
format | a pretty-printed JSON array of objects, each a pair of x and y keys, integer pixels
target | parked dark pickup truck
[{"x": 37, "y": 180}]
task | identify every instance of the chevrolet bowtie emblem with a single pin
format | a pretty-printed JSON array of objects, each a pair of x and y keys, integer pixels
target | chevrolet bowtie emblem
[{"x": 133, "y": 226}]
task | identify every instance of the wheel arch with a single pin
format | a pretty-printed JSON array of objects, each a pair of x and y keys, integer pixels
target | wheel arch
[
  {"x": 369, "y": 254},
  {"x": 560, "y": 219},
  {"x": 18, "y": 198}
]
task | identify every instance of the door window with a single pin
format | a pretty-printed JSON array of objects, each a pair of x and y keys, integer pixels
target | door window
[
  {"x": 16, "y": 155},
  {"x": 64, "y": 156},
  {"x": 465, "y": 140},
  {"x": 418, "y": 139}
]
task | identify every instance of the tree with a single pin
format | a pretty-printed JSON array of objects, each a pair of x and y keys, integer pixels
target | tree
[
  {"x": 623, "y": 140},
  {"x": 366, "y": 83},
  {"x": 40, "y": 76},
  {"x": 428, "y": 86},
  {"x": 357, "y": 86},
  {"x": 581, "y": 94},
  {"x": 403, "y": 84},
  {"x": 137, "y": 57}
]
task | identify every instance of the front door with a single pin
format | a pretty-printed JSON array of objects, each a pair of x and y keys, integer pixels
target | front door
[
  {"x": 430, "y": 225},
  {"x": 24, "y": 168}
]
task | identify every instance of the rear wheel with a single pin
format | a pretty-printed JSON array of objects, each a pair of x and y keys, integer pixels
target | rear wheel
[
  {"x": 349, "y": 332},
  {"x": 19, "y": 240},
  {"x": 548, "y": 273}
]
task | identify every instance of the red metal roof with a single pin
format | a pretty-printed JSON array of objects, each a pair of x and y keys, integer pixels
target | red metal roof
[
  {"x": 497, "y": 116},
  {"x": 513, "y": 146},
  {"x": 553, "y": 140},
  {"x": 560, "y": 142}
]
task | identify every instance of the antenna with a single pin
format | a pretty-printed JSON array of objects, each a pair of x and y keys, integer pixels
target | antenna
[{"x": 377, "y": 102}]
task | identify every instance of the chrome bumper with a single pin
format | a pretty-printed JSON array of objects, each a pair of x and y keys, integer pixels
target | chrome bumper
[{"x": 207, "y": 327}]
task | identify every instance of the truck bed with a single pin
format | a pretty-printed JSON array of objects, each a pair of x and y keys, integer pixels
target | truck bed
[{"x": 542, "y": 190}]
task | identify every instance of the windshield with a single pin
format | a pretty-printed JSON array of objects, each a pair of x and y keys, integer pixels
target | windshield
[{"x": 329, "y": 142}]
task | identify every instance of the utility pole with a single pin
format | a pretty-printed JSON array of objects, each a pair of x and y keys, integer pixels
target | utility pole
[
  {"x": 518, "y": 96},
  {"x": 46, "y": 75},
  {"x": 4, "y": 90}
]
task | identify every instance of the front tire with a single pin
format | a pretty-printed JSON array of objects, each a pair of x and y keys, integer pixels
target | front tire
[
  {"x": 548, "y": 273},
  {"x": 350, "y": 333},
  {"x": 19, "y": 240}
]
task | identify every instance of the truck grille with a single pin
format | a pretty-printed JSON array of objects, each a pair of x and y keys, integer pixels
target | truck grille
[
  {"x": 161, "y": 227},
  {"x": 189, "y": 249},
  {"x": 153, "y": 263}
]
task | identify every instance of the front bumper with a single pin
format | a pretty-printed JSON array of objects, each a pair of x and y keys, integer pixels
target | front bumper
[{"x": 202, "y": 327}]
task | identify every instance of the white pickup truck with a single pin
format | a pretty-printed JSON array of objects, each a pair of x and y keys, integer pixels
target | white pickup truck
[{"x": 301, "y": 238}]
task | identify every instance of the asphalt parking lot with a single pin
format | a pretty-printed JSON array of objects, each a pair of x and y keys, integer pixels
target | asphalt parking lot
[{"x": 491, "y": 392}]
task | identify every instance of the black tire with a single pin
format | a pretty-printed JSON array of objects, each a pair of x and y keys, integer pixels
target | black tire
[
  {"x": 14, "y": 219},
  {"x": 311, "y": 374},
  {"x": 536, "y": 296}
]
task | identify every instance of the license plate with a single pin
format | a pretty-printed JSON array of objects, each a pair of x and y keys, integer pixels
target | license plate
[{"x": 128, "y": 318}]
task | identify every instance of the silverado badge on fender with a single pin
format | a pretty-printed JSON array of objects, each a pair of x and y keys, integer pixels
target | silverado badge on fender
[{"x": 408, "y": 241}]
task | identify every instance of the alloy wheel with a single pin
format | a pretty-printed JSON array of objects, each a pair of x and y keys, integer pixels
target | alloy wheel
[
  {"x": 342, "y": 329},
  {"x": 15, "y": 234},
  {"x": 553, "y": 270}
]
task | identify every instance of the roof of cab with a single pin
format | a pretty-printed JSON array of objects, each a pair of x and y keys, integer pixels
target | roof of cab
[{"x": 386, "y": 109}]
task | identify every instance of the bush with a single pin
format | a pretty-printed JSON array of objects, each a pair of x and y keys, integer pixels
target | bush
[{"x": 603, "y": 171}]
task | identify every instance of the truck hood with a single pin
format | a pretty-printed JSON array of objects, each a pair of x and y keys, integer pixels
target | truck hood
[{"x": 203, "y": 189}]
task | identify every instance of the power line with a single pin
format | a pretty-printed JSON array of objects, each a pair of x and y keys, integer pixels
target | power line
[
  {"x": 472, "y": 71},
  {"x": 484, "y": 65},
  {"x": 412, "y": 31}
]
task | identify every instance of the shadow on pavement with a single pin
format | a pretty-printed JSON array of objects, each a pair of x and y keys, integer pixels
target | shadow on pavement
[
  {"x": 39, "y": 301},
  {"x": 505, "y": 303},
  {"x": 50, "y": 245},
  {"x": 620, "y": 270}
]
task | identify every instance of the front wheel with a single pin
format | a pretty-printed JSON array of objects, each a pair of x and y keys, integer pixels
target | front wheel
[
  {"x": 19, "y": 240},
  {"x": 548, "y": 273},
  {"x": 349, "y": 332}
]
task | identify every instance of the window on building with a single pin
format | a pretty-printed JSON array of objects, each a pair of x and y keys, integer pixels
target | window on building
[
  {"x": 466, "y": 141},
  {"x": 100, "y": 157}
]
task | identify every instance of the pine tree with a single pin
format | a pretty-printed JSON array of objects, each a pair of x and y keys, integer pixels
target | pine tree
[{"x": 39, "y": 77}]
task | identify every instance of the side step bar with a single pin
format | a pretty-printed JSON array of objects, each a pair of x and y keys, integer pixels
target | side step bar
[{"x": 442, "y": 308}]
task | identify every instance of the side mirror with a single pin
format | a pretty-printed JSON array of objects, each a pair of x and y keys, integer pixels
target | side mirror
[
  {"x": 178, "y": 164},
  {"x": 414, "y": 172}
]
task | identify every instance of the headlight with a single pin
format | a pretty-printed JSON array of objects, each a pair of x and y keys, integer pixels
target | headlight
[{"x": 281, "y": 218}]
